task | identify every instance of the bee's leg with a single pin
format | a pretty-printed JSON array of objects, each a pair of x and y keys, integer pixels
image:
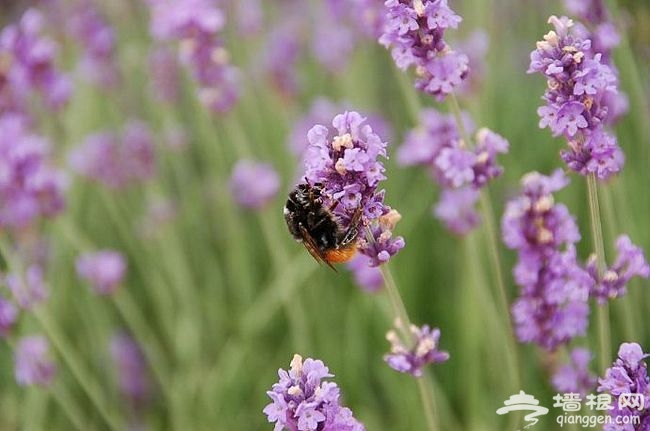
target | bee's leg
[{"x": 352, "y": 232}]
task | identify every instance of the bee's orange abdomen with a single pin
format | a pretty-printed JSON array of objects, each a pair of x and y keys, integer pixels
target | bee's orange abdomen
[{"x": 341, "y": 255}]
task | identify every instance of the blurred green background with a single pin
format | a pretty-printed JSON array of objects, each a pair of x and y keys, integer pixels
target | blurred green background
[{"x": 220, "y": 298}]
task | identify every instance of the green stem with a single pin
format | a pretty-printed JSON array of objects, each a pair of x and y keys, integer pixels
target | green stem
[
  {"x": 602, "y": 312},
  {"x": 495, "y": 256},
  {"x": 426, "y": 393},
  {"x": 80, "y": 372},
  {"x": 424, "y": 385},
  {"x": 54, "y": 335}
]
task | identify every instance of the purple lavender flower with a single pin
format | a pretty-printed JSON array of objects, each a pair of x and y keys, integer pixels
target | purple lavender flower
[
  {"x": 410, "y": 356},
  {"x": 131, "y": 367},
  {"x": 301, "y": 401},
  {"x": 253, "y": 185},
  {"x": 435, "y": 132},
  {"x": 369, "y": 15},
  {"x": 630, "y": 262},
  {"x": 116, "y": 161},
  {"x": 332, "y": 43},
  {"x": 575, "y": 377},
  {"x": 28, "y": 288},
  {"x": 90, "y": 28},
  {"x": 196, "y": 24},
  {"x": 104, "y": 270},
  {"x": 29, "y": 187},
  {"x": 533, "y": 223},
  {"x": 579, "y": 85},
  {"x": 27, "y": 65},
  {"x": 475, "y": 46},
  {"x": 457, "y": 209},
  {"x": 349, "y": 167},
  {"x": 8, "y": 316},
  {"x": 367, "y": 277},
  {"x": 165, "y": 74},
  {"x": 33, "y": 365},
  {"x": 461, "y": 171},
  {"x": 627, "y": 375},
  {"x": 553, "y": 305},
  {"x": 321, "y": 111},
  {"x": 280, "y": 55},
  {"x": 414, "y": 32},
  {"x": 250, "y": 16}
]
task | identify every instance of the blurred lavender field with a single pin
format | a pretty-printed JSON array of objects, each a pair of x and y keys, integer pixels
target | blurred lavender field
[{"x": 486, "y": 165}]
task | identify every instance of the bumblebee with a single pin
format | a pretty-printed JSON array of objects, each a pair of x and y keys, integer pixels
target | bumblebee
[{"x": 318, "y": 228}]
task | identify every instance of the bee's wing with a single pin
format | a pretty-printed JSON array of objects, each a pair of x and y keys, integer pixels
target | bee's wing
[{"x": 312, "y": 248}]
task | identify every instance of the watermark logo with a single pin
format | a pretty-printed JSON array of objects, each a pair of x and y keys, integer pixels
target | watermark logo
[
  {"x": 570, "y": 403},
  {"x": 523, "y": 401}
]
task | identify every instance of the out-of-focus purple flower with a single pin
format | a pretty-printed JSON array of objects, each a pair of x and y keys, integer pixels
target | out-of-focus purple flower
[
  {"x": 28, "y": 288},
  {"x": 435, "y": 132},
  {"x": 104, "y": 270},
  {"x": 461, "y": 171},
  {"x": 280, "y": 55},
  {"x": 196, "y": 25},
  {"x": 250, "y": 16},
  {"x": 414, "y": 32},
  {"x": 253, "y": 185},
  {"x": 29, "y": 187},
  {"x": 27, "y": 65},
  {"x": 116, "y": 161},
  {"x": 628, "y": 376},
  {"x": 8, "y": 316},
  {"x": 575, "y": 377},
  {"x": 87, "y": 26},
  {"x": 132, "y": 370},
  {"x": 332, "y": 43},
  {"x": 475, "y": 46},
  {"x": 553, "y": 305},
  {"x": 165, "y": 74},
  {"x": 579, "y": 86},
  {"x": 410, "y": 356},
  {"x": 346, "y": 160},
  {"x": 630, "y": 262},
  {"x": 367, "y": 277},
  {"x": 369, "y": 16},
  {"x": 33, "y": 365},
  {"x": 457, "y": 209},
  {"x": 302, "y": 401}
]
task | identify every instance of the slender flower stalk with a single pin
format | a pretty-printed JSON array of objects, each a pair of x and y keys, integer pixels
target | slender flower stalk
[
  {"x": 493, "y": 246},
  {"x": 403, "y": 324},
  {"x": 602, "y": 311}
]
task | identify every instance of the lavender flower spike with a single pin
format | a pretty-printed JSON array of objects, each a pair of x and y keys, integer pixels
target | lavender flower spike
[
  {"x": 104, "y": 270},
  {"x": 302, "y": 401},
  {"x": 414, "y": 32},
  {"x": 420, "y": 350},
  {"x": 630, "y": 262},
  {"x": 346, "y": 160},
  {"x": 575, "y": 376},
  {"x": 579, "y": 86},
  {"x": 32, "y": 363},
  {"x": 553, "y": 304},
  {"x": 628, "y": 376},
  {"x": 253, "y": 185}
]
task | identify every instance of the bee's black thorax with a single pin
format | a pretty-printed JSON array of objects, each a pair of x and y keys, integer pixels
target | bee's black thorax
[{"x": 305, "y": 208}]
